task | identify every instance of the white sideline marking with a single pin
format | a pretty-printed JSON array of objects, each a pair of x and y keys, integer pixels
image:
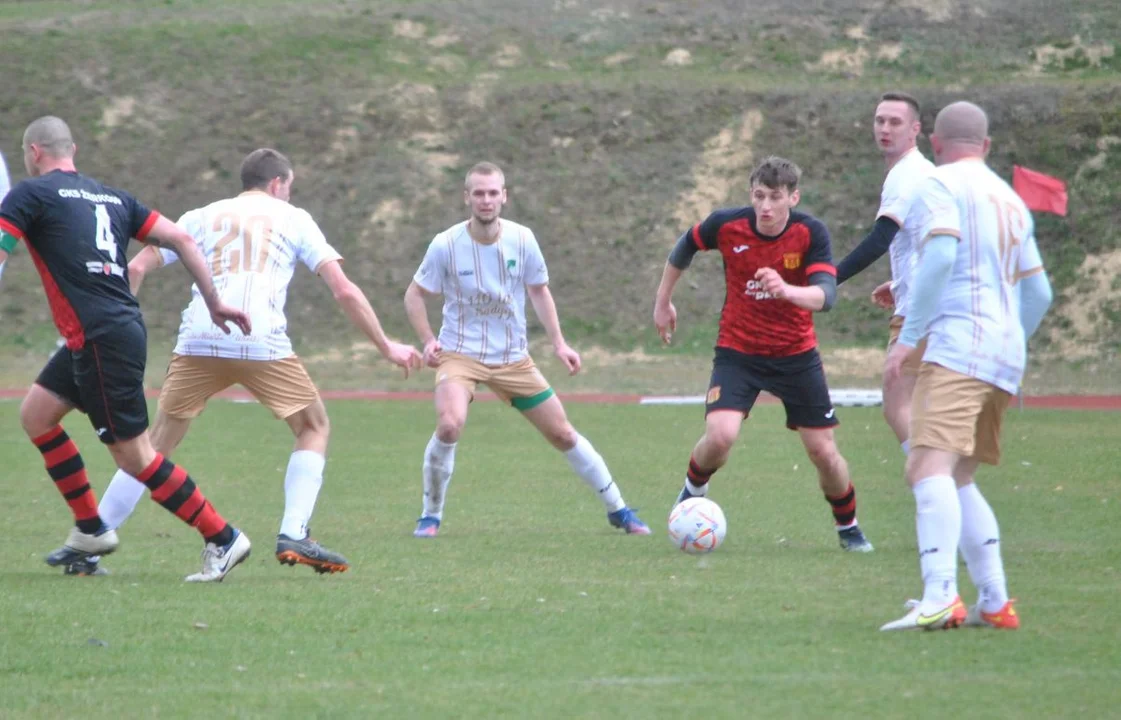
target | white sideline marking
[{"x": 850, "y": 397}]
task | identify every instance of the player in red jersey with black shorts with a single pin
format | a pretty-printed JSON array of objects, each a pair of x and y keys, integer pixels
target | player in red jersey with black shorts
[{"x": 778, "y": 271}]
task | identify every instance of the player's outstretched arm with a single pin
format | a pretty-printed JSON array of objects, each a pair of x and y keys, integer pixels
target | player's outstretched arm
[
  {"x": 546, "y": 309},
  {"x": 665, "y": 314},
  {"x": 145, "y": 261},
  {"x": 167, "y": 233},
  {"x": 357, "y": 307},
  {"x": 417, "y": 313},
  {"x": 870, "y": 249}
]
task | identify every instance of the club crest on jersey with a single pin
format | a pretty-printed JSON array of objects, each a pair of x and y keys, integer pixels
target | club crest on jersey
[
  {"x": 713, "y": 395},
  {"x": 792, "y": 261},
  {"x": 510, "y": 264}
]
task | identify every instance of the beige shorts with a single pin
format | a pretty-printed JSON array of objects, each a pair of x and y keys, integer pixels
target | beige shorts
[
  {"x": 958, "y": 413},
  {"x": 521, "y": 384},
  {"x": 914, "y": 360},
  {"x": 282, "y": 386}
]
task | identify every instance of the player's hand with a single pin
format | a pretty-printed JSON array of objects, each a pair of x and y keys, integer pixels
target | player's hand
[
  {"x": 893, "y": 365},
  {"x": 569, "y": 357},
  {"x": 404, "y": 356},
  {"x": 432, "y": 352},
  {"x": 882, "y": 296},
  {"x": 665, "y": 320},
  {"x": 222, "y": 313},
  {"x": 772, "y": 282}
]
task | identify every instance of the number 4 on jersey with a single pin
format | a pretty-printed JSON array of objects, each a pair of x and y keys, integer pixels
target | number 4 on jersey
[{"x": 104, "y": 234}]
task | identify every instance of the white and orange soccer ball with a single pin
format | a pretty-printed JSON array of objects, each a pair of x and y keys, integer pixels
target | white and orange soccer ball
[{"x": 697, "y": 525}]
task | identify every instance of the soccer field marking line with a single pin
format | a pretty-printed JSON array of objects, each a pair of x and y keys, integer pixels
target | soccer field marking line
[
  {"x": 842, "y": 398},
  {"x": 855, "y": 397}
]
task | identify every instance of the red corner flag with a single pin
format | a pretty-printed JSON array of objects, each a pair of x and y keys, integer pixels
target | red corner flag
[{"x": 1040, "y": 192}]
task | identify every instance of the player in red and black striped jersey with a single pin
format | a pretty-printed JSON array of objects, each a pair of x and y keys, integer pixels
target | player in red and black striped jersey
[
  {"x": 778, "y": 271},
  {"x": 77, "y": 232}
]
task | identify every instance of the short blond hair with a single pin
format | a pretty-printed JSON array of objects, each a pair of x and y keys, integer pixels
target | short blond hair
[
  {"x": 483, "y": 168},
  {"x": 52, "y": 134}
]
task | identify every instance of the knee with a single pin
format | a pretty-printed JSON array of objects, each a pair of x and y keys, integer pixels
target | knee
[
  {"x": 28, "y": 421},
  {"x": 720, "y": 441},
  {"x": 449, "y": 426},
  {"x": 318, "y": 423},
  {"x": 824, "y": 455},
  {"x": 896, "y": 406},
  {"x": 562, "y": 437},
  {"x": 311, "y": 422},
  {"x": 33, "y": 420}
]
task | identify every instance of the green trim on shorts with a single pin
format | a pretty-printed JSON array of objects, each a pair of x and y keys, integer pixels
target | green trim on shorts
[{"x": 528, "y": 403}]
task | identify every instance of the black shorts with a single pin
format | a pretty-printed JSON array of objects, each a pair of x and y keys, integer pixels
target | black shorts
[
  {"x": 798, "y": 381},
  {"x": 105, "y": 380}
]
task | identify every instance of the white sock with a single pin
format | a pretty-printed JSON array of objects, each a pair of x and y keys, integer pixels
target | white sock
[
  {"x": 120, "y": 499},
  {"x": 906, "y": 445},
  {"x": 591, "y": 468},
  {"x": 439, "y": 462},
  {"x": 698, "y": 490},
  {"x": 302, "y": 482},
  {"x": 938, "y": 525},
  {"x": 980, "y": 546}
]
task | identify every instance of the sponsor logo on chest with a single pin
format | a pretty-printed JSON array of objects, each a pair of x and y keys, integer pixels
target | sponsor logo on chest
[{"x": 97, "y": 267}]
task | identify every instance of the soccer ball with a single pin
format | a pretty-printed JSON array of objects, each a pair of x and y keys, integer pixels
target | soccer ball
[{"x": 697, "y": 526}]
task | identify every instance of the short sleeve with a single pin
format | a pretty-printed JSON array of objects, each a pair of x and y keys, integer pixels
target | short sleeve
[
  {"x": 192, "y": 223},
  {"x": 819, "y": 256},
  {"x": 140, "y": 217},
  {"x": 19, "y": 209},
  {"x": 314, "y": 248},
  {"x": 706, "y": 234},
  {"x": 894, "y": 200},
  {"x": 430, "y": 275},
  {"x": 937, "y": 211},
  {"x": 536, "y": 272}
]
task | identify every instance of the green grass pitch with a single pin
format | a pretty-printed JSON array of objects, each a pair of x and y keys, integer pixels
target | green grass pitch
[{"x": 529, "y": 605}]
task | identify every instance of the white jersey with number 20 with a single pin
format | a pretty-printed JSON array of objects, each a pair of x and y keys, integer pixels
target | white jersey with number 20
[
  {"x": 976, "y": 328},
  {"x": 252, "y": 243}
]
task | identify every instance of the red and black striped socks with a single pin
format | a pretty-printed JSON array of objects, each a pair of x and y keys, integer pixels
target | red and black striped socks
[
  {"x": 844, "y": 508},
  {"x": 66, "y": 468},
  {"x": 173, "y": 488},
  {"x": 697, "y": 477}
]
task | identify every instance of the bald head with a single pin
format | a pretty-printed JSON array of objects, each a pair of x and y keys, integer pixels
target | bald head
[
  {"x": 51, "y": 135},
  {"x": 962, "y": 123},
  {"x": 961, "y": 130}
]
